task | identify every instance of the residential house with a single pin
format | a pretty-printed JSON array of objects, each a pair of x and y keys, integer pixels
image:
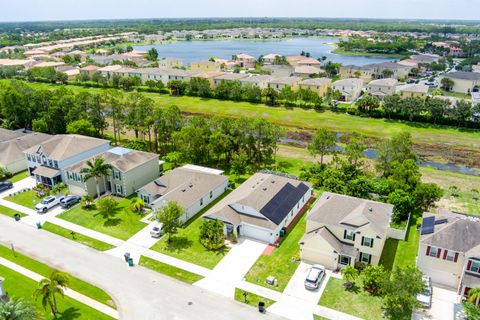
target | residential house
[
  {"x": 381, "y": 88},
  {"x": 425, "y": 58},
  {"x": 449, "y": 250},
  {"x": 309, "y": 62},
  {"x": 408, "y": 63},
  {"x": 180, "y": 74},
  {"x": 71, "y": 72},
  {"x": 278, "y": 70},
  {"x": 154, "y": 74},
  {"x": 192, "y": 187},
  {"x": 12, "y": 145},
  {"x": 463, "y": 82},
  {"x": 306, "y": 72},
  {"x": 318, "y": 85},
  {"x": 209, "y": 76},
  {"x": 108, "y": 71},
  {"x": 263, "y": 207},
  {"x": 360, "y": 72},
  {"x": 205, "y": 66},
  {"x": 413, "y": 91},
  {"x": 229, "y": 77},
  {"x": 260, "y": 81},
  {"x": 280, "y": 83},
  {"x": 344, "y": 230},
  {"x": 89, "y": 70},
  {"x": 294, "y": 60},
  {"x": 131, "y": 169},
  {"x": 168, "y": 63},
  {"x": 245, "y": 60},
  {"x": 350, "y": 89},
  {"x": 48, "y": 160},
  {"x": 19, "y": 63},
  {"x": 270, "y": 58}
]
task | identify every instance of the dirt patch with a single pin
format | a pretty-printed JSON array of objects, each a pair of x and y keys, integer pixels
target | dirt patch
[{"x": 449, "y": 154}]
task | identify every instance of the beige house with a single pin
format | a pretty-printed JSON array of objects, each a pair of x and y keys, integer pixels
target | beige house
[
  {"x": 414, "y": 91},
  {"x": 270, "y": 58},
  {"x": 192, "y": 187},
  {"x": 351, "y": 71},
  {"x": 131, "y": 170},
  {"x": 278, "y": 70},
  {"x": 89, "y": 70},
  {"x": 449, "y": 250},
  {"x": 280, "y": 83},
  {"x": 260, "y": 81},
  {"x": 375, "y": 71},
  {"x": 350, "y": 89},
  {"x": 463, "y": 82},
  {"x": 167, "y": 63},
  {"x": 229, "y": 77},
  {"x": 309, "y": 62},
  {"x": 305, "y": 72},
  {"x": 343, "y": 230},
  {"x": 263, "y": 207},
  {"x": 209, "y": 76},
  {"x": 318, "y": 85},
  {"x": 205, "y": 66},
  {"x": 382, "y": 87}
]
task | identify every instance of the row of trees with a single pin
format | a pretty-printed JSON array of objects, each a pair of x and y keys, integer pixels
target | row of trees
[{"x": 395, "y": 45}]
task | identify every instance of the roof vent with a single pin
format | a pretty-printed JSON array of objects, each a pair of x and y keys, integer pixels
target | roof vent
[
  {"x": 183, "y": 190},
  {"x": 370, "y": 209},
  {"x": 328, "y": 197},
  {"x": 190, "y": 185},
  {"x": 273, "y": 181},
  {"x": 264, "y": 189}
]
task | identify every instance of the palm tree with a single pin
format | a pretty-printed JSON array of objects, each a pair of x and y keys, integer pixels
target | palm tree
[
  {"x": 137, "y": 204},
  {"x": 349, "y": 274},
  {"x": 49, "y": 287},
  {"x": 96, "y": 169},
  {"x": 17, "y": 309},
  {"x": 474, "y": 296}
]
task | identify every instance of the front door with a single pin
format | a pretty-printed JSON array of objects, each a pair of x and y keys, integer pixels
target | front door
[{"x": 344, "y": 261}]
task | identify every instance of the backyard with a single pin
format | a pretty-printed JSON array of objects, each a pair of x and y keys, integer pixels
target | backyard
[
  {"x": 356, "y": 301},
  {"x": 398, "y": 253},
  {"x": 122, "y": 224}
]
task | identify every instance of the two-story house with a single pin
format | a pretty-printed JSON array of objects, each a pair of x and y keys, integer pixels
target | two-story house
[
  {"x": 280, "y": 83},
  {"x": 350, "y": 89},
  {"x": 381, "y": 88},
  {"x": 48, "y": 160},
  {"x": 131, "y": 169},
  {"x": 344, "y": 230},
  {"x": 192, "y": 187},
  {"x": 318, "y": 85},
  {"x": 449, "y": 250},
  {"x": 263, "y": 207}
]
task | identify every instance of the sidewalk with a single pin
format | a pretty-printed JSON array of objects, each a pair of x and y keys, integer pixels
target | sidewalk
[{"x": 68, "y": 292}]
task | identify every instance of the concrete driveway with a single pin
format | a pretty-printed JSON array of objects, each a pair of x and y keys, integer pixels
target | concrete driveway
[
  {"x": 445, "y": 306},
  {"x": 139, "y": 293}
]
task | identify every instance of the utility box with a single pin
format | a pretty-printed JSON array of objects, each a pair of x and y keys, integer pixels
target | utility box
[{"x": 271, "y": 280}]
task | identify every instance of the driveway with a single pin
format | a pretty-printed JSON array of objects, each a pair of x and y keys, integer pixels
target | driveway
[
  {"x": 138, "y": 292},
  {"x": 26, "y": 183},
  {"x": 445, "y": 306}
]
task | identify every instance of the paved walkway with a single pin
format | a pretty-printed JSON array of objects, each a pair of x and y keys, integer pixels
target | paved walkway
[{"x": 68, "y": 292}]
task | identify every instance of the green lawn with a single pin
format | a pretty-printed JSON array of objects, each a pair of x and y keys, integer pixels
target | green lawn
[
  {"x": 366, "y": 54},
  {"x": 9, "y": 212},
  {"x": 44, "y": 270},
  {"x": 317, "y": 317},
  {"x": 185, "y": 244},
  {"x": 122, "y": 225},
  {"x": 355, "y": 302},
  {"x": 19, "y": 176},
  {"x": 169, "y": 270},
  {"x": 19, "y": 286},
  {"x": 27, "y": 199},
  {"x": 251, "y": 298},
  {"x": 459, "y": 95},
  {"x": 80, "y": 238},
  {"x": 281, "y": 263},
  {"x": 401, "y": 253}
]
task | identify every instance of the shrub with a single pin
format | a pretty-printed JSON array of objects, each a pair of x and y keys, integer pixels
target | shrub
[
  {"x": 4, "y": 173},
  {"x": 373, "y": 278},
  {"x": 211, "y": 234},
  {"x": 107, "y": 207},
  {"x": 87, "y": 202},
  {"x": 57, "y": 188}
]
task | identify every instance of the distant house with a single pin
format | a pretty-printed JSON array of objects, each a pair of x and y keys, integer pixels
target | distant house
[
  {"x": 260, "y": 81},
  {"x": 463, "y": 82},
  {"x": 192, "y": 187},
  {"x": 425, "y": 58},
  {"x": 375, "y": 71},
  {"x": 205, "y": 66},
  {"x": 294, "y": 60},
  {"x": 47, "y": 160},
  {"x": 360, "y": 72},
  {"x": 89, "y": 70},
  {"x": 280, "y": 83},
  {"x": 306, "y": 71},
  {"x": 270, "y": 58},
  {"x": 108, "y": 71},
  {"x": 131, "y": 170},
  {"x": 12, "y": 145},
  {"x": 413, "y": 91},
  {"x": 170, "y": 63},
  {"x": 279, "y": 70},
  {"x": 449, "y": 250},
  {"x": 180, "y": 74},
  {"x": 26, "y": 64},
  {"x": 229, "y": 77},
  {"x": 263, "y": 207},
  {"x": 318, "y": 85},
  {"x": 245, "y": 60},
  {"x": 153, "y": 74},
  {"x": 343, "y": 230},
  {"x": 381, "y": 88},
  {"x": 350, "y": 89},
  {"x": 209, "y": 76},
  {"x": 309, "y": 62}
]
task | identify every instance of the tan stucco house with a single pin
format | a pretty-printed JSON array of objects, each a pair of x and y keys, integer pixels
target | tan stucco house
[
  {"x": 318, "y": 85},
  {"x": 350, "y": 88},
  {"x": 463, "y": 82},
  {"x": 343, "y": 230},
  {"x": 382, "y": 87},
  {"x": 413, "y": 91}
]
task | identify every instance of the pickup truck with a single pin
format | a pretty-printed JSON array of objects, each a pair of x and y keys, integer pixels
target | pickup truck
[{"x": 48, "y": 203}]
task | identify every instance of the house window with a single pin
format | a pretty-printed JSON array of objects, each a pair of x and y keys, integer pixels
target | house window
[
  {"x": 117, "y": 175},
  {"x": 28, "y": 157},
  {"x": 433, "y": 252},
  {"x": 201, "y": 201},
  {"x": 449, "y": 255},
  {"x": 50, "y": 163},
  {"x": 473, "y": 266},
  {"x": 365, "y": 257},
  {"x": 349, "y": 235},
  {"x": 367, "y": 242},
  {"x": 118, "y": 188},
  {"x": 211, "y": 194},
  {"x": 55, "y": 164}
]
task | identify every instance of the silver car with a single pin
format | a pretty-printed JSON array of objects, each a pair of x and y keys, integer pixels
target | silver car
[
  {"x": 425, "y": 297},
  {"x": 156, "y": 232},
  {"x": 314, "y": 277}
]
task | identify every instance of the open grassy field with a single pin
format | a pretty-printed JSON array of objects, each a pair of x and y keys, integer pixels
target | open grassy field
[
  {"x": 169, "y": 270},
  {"x": 44, "y": 270},
  {"x": 19, "y": 286},
  {"x": 77, "y": 237}
]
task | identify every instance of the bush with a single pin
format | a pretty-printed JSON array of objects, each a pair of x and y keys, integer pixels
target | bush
[
  {"x": 4, "y": 173},
  {"x": 87, "y": 202},
  {"x": 211, "y": 234},
  {"x": 57, "y": 188},
  {"x": 373, "y": 278}
]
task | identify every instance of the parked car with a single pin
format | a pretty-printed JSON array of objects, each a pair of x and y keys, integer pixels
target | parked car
[
  {"x": 6, "y": 185},
  {"x": 432, "y": 84},
  {"x": 157, "y": 231},
  {"x": 69, "y": 201},
  {"x": 49, "y": 202},
  {"x": 410, "y": 81},
  {"x": 314, "y": 277},
  {"x": 425, "y": 297}
]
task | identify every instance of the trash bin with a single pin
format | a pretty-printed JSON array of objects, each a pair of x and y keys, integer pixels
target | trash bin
[
  {"x": 261, "y": 307},
  {"x": 39, "y": 225},
  {"x": 130, "y": 262},
  {"x": 283, "y": 231},
  {"x": 126, "y": 256},
  {"x": 17, "y": 217}
]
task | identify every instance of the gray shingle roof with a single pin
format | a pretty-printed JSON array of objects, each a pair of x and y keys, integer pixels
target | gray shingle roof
[
  {"x": 462, "y": 75},
  {"x": 12, "y": 150}
]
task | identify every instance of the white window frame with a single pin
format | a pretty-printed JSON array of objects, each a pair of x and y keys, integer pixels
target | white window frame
[
  {"x": 477, "y": 263},
  {"x": 365, "y": 255},
  {"x": 433, "y": 252},
  {"x": 450, "y": 255},
  {"x": 367, "y": 242},
  {"x": 349, "y": 235}
]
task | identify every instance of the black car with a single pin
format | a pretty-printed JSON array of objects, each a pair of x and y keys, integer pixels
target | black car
[
  {"x": 5, "y": 185},
  {"x": 69, "y": 201}
]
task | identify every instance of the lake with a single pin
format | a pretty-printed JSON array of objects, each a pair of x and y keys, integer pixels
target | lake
[{"x": 190, "y": 51}]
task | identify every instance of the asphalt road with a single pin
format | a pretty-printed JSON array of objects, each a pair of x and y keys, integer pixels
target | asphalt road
[{"x": 139, "y": 293}]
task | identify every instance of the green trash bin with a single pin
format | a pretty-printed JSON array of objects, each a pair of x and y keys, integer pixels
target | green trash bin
[
  {"x": 130, "y": 262},
  {"x": 39, "y": 225}
]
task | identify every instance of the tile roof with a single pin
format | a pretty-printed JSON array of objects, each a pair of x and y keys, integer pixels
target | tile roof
[{"x": 384, "y": 82}]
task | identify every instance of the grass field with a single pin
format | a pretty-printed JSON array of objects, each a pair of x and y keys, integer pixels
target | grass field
[
  {"x": 27, "y": 199},
  {"x": 366, "y": 54},
  {"x": 355, "y": 302},
  {"x": 19, "y": 286},
  {"x": 169, "y": 270},
  {"x": 80, "y": 238},
  {"x": 9, "y": 212},
  {"x": 44, "y": 270},
  {"x": 122, "y": 225},
  {"x": 251, "y": 299}
]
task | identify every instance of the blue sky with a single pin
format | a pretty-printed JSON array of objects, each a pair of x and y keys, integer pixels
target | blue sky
[{"x": 20, "y": 10}]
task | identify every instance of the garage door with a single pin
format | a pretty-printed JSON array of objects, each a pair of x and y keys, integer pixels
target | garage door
[
  {"x": 443, "y": 278},
  {"x": 316, "y": 257},
  {"x": 255, "y": 233}
]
